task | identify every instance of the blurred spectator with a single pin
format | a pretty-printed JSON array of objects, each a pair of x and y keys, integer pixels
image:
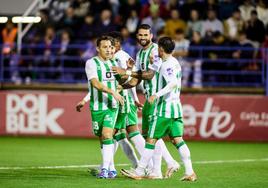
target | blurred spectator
[
  {"x": 195, "y": 60},
  {"x": 114, "y": 6},
  {"x": 172, "y": 4},
  {"x": 69, "y": 21},
  {"x": 132, "y": 22},
  {"x": 244, "y": 57},
  {"x": 154, "y": 6},
  {"x": 40, "y": 28},
  {"x": 105, "y": 24},
  {"x": 57, "y": 9},
  {"x": 81, "y": 8},
  {"x": 245, "y": 50},
  {"x": 174, "y": 23},
  {"x": 194, "y": 24},
  {"x": 181, "y": 53},
  {"x": 126, "y": 8},
  {"x": 185, "y": 8},
  {"x": 246, "y": 9},
  {"x": 211, "y": 24},
  {"x": 90, "y": 49},
  {"x": 45, "y": 52},
  {"x": 87, "y": 29},
  {"x": 218, "y": 51},
  {"x": 9, "y": 34},
  {"x": 262, "y": 11},
  {"x": 255, "y": 28},
  {"x": 64, "y": 51},
  {"x": 128, "y": 43},
  {"x": 233, "y": 25},
  {"x": 227, "y": 7},
  {"x": 97, "y": 6},
  {"x": 156, "y": 22},
  {"x": 210, "y": 5}
]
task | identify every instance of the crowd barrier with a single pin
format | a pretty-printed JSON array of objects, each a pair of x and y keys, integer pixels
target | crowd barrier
[{"x": 206, "y": 117}]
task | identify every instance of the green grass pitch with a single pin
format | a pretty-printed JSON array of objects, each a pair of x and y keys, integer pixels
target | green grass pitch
[{"x": 217, "y": 165}]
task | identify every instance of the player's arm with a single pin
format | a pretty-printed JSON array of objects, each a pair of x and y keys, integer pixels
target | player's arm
[
  {"x": 141, "y": 75},
  {"x": 135, "y": 97},
  {"x": 131, "y": 83},
  {"x": 101, "y": 87},
  {"x": 81, "y": 104},
  {"x": 91, "y": 71},
  {"x": 168, "y": 88},
  {"x": 172, "y": 83},
  {"x": 154, "y": 66}
]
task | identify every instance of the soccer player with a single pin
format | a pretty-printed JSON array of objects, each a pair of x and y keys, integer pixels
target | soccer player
[
  {"x": 127, "y": 114},
  {"x": 148, "y": 72},
  {"x": 103, "y": 99},
  {"x": 168, "y": 113}
]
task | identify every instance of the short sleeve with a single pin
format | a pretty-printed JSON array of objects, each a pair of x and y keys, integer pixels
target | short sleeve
[
  {"x": 91, "y": 70},
  {"x": 157, "y": 62},
  {"x": 137, "y": 66},
  {"x": 169, "y": 71}
]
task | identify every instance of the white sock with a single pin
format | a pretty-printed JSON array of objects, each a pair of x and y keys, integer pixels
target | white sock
[
  {"x": 145, "y": 158},
  {"x": 157, "y": 158},
  {"x": 165, "y": 153},
  {"x": 139, "y": 143},
  {"x": 129, "y": 151},
  {"x": 107, "y": 155},
  {"x": 111, "y": 166},
  {"x": 186, "y": 159}
]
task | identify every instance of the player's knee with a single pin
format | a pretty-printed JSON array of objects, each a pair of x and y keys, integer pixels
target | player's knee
[
  {"x": 132, "y": 128},
  {"x": 151, "y": 141},
  {"x": 107, "y": 134},
  {"x": 176, "y": 140}
]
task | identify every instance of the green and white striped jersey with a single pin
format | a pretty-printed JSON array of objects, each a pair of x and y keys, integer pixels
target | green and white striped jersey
[
  {"x": 143, "y": 64},
  {"x": 102, "y": 71},
  {"x": 121, "y": 57},
  {"x": 169, "y": 105}
]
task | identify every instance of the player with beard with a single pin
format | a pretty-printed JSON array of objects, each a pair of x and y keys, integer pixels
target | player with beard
[{"x": 147, "y": 67}]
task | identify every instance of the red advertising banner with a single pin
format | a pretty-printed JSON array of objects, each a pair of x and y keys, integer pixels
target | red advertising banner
[{"x": 206, "y": 117}]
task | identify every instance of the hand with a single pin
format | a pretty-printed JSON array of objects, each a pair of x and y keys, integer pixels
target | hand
[
  {"x": 130, "y": 63},
  {"x": 119, "y": 88},
  {"x": 152, "y": 99},
  {"x": 119, "y": 71},
  {"x": 80, "y": 105},
  {"x": 139, "y": 105},
  {"x": 118, "y": 98}
]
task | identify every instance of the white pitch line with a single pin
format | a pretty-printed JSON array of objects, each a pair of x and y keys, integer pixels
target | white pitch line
[{"x": 95, "y": 166}]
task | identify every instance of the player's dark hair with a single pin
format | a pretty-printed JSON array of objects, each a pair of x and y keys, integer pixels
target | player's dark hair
[
  {"x": 105, "y": 37},
  {"x": 116, "y": 35},
  {"x": 167, "y": 44},
  {"x": 145, "y": 26}
]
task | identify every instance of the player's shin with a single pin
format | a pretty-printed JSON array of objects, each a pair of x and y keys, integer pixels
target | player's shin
[
  {"x": 185, "y": 157},
  {"x": 107, "y": 154},
  {"x": 128, "y": 149},
  {"x": 138, "y": 141}
]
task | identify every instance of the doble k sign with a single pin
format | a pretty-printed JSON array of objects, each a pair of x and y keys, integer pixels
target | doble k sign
[{"x": 28, "y": 114}]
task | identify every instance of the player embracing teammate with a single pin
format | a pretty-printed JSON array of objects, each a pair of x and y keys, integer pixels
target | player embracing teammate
[{"x": 161, "y": 115}]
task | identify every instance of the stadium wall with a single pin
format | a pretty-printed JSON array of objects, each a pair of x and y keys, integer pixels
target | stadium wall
[{"x": 206, "y": 117}]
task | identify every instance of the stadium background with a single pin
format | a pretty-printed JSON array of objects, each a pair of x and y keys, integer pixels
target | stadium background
[{"x": 44, "y": 141}]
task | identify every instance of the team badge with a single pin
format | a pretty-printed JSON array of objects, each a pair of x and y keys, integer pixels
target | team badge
[{"x": 169, "y": 71}]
